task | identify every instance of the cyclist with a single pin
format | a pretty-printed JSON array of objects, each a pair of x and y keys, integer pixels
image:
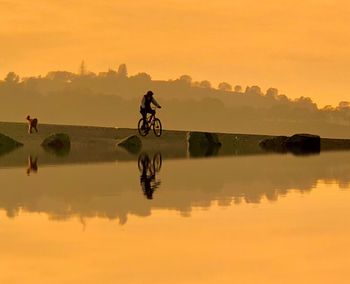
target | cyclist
[{"x": 145, "y": 107}]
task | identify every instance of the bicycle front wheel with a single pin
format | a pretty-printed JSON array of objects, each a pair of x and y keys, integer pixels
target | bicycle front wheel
[
  {"x": 143, "y": 130},
  {"x": 157, "y": 127},
  {"x": 157, "y": 162}
]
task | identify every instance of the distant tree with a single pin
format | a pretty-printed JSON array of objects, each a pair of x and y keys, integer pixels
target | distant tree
[
  {"x": 111, "y": 73},
  {"x": 256, "y": 90},
  {"x": 238, "y": 89},
  {"x": 205, "y": 84},
  {"x": 122, "y": 71},
  {"x": 272, "y": 93},
  {"x": 225, "y": 87},
  {"x": 12, "y": 77},
  {"x": 253, "y": 90},
  {"x": 328, "y": 108},
  {"x": 283, "y": 98},
  {"x": 305, "y": 102},
  {"x": 186, "y": 78},
  {"x": 82, "y": 69},
  {"x": 343, "y": 105},
  {"x": 142, "y": 76},
  {"x": 64, "y": 76}
]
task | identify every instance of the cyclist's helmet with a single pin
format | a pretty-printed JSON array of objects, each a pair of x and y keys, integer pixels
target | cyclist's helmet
[{"x": 149, "y": 93}]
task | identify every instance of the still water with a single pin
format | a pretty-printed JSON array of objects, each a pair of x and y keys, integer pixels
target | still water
[{"x": 248, "y": 219}]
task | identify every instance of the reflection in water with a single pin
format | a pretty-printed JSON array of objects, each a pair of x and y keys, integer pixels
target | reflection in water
[
  {"x": 148, "y": 168},
  {"x": 283, "y": 242},
  {"x": 112, "y": 191},
  {"x": 32, "y": 165}
]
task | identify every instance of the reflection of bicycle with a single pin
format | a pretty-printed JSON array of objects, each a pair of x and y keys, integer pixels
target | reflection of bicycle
[
  {"x": 154, "y": 165},
  {"x": 151, "y": 122},
  {"x": 148, "y": 169}
]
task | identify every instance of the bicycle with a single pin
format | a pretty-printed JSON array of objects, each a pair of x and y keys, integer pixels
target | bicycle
[
  {"x": 151, "y": 122},
  {"x": 145, "y": 163},
  {"x": 148, "y": 169}
]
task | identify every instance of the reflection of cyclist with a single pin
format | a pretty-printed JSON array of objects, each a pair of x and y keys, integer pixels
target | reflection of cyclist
[
  {"x": 146, "y": 184},
  {"x": 145, "y": 107},
  {"x": 148, "y": 174}
]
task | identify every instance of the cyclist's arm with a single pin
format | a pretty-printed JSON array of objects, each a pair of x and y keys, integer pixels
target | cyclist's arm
[
  {"x": 155, "y": 102},
  {"x": 143, "y": 102}
]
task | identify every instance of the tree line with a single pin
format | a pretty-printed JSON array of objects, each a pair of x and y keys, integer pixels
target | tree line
[{"x": 112, "y": 98}]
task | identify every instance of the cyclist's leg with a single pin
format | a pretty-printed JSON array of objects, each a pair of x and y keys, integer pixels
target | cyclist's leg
[
  {"x": 152, "y": 112},
  {"x": 144, "y": 116}
]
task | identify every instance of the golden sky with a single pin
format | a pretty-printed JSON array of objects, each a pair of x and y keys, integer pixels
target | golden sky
[{"x": 300, "y": 47}]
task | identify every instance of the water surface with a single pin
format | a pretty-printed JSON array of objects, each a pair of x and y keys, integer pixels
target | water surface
[{"x": 249, "y": 219}]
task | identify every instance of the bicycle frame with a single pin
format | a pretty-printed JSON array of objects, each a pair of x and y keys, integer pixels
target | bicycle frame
[{"x": 150, "y": 119}]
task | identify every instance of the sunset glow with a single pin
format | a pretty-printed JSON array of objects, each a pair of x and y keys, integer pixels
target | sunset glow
[{"x": 299, "y": 47}]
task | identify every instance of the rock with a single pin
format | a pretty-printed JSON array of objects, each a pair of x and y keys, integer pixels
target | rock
[
  {"x": 297, "y": 144},
  {"x": 7, "y": 144},
  {"x": 58, "y": 143},
  {"x": 274, "y": 144},
  {"x": 131, "y": 143},
  {"x": 303, "y": 143},
  {"x": 203, "y": 144}
]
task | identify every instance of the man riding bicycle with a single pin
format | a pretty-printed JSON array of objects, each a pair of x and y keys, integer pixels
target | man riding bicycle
[{"x": 145, "y": 107}]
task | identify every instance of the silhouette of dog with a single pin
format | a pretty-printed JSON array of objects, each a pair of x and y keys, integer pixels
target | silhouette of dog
[{"x": 32, "y": 124}]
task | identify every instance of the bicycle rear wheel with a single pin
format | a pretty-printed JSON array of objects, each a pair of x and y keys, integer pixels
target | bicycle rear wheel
[
  {"x": 142, "y": 130},
  {"x": 157, "y": 127}
]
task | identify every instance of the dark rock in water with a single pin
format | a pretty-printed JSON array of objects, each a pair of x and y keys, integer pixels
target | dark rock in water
[
  {"x": 203, "y": 144},
  {"x": 275, "y": 144},
  {"x": 132, "y": 144},
  {"x": 7, "y": 144},
  {"x": 58, "y": 144},
  {"x": 303, "y": 144},
  {"x": 297, "y": 144}
]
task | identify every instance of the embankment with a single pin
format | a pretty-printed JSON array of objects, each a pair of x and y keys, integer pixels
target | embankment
[{"x": 99, "y": 144}]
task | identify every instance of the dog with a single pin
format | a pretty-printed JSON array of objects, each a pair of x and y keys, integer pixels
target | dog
[{"x": 32, "y": 124}]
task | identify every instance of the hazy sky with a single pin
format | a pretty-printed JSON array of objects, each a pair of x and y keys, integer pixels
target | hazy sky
[{"x": 300, "y": 47}]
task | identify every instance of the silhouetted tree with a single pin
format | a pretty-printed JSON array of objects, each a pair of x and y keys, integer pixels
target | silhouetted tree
[
  {"x": 253, "y": 90},
  {"x": 205, "y": 84},
  {"x": 343, "y": 105},
  {"x": 82, "y": 69},
  {"x": 11, "y": 77},
  {"x": 238, "y": 89},
  {"x": 328, "y": 108},
  {"x": 186, "y": 78},
  {"x": 110, "y": 73},
  {"x": 305, "y": 102},
  {"x": 225, "y": 87},
  {"x": 272, "y": 93},
  {"x": 63, "y": 76},
  {"x": 142, "y": 77},
  {"x": 122, "y": 71},
  {"x": 283, "y": 98}
]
